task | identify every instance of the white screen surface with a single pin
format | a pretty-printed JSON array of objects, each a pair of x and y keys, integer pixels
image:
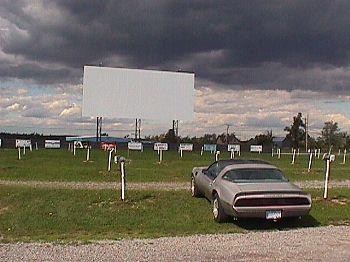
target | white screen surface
[{"x": 134, "y": 93}]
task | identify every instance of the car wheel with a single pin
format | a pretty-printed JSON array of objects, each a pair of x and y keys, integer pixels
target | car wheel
[
  {"x": 194, "y": 189},
  {"x": 218, "y": 212}
]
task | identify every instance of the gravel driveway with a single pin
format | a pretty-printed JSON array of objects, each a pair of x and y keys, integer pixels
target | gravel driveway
[
  {"x": 316, "y": 244},
  {"x": 144, "y": 186}
]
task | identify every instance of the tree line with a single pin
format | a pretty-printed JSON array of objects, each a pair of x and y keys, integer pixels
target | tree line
[{"x": 330, "y": 137}]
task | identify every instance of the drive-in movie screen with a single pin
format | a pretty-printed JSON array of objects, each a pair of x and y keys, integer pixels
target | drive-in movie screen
[{"x": 174, "y": 130}]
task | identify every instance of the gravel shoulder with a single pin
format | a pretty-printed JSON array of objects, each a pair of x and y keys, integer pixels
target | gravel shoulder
[
  {"x": 316, "y": 244},
  {"x": 167, "y": 186},
  {"x": 98, "y": 185}
]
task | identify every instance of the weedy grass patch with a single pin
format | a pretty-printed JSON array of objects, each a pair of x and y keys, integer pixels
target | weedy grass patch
[
  {"x": 61, "y": 165},
  {"x": 28, "y": 214}
]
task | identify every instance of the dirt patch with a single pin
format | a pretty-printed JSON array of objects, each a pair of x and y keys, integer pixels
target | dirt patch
[
  {"x": 4, "y": 209},
  {"x": 341, "y": 223},
  {"x": 340, "y": 201},
  {"x": 336, "y": 201}
]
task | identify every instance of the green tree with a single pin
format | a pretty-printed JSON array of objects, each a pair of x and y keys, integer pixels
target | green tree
[
  {"x": 296, "y": 132},
  {"x": 170, "y": 137},
  {"x": 331, "y": 136},
  {"x": 264, "y": 139}
]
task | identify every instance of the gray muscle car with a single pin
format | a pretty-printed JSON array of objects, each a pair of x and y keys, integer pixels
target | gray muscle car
[{"x": 248, "y": 188}]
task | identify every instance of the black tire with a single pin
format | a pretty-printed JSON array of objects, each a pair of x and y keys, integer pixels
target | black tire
[
  {"x": 194, "y": 189},
  {"x": 219, "y": 214}
]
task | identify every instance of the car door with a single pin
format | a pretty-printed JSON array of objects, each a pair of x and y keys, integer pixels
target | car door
[{"x": 206, "y": 179}]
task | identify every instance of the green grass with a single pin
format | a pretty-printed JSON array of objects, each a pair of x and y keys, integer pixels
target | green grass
[
  {"x": 81, "y": 215},
  {"x": 34, "y": 215},
  {"x": 61, "y": 165}
]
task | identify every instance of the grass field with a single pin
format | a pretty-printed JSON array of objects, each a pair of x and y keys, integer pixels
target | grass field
[
  {"x": 61, "y": 165},
  {"x": 28, "y": 214},
  {"x": 32, "y": 214}
]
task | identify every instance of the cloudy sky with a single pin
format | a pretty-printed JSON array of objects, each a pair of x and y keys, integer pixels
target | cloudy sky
[{"x": 257, "y": 63}]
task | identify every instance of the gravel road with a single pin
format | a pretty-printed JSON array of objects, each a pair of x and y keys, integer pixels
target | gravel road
[
  {"x": 315, "y": 244},
  {"x": 99, "y": 185},
  {"x": 144, "y": 186}
]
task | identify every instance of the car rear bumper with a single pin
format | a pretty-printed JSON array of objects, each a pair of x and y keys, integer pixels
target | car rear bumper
[{"x": 260, "y": 212}]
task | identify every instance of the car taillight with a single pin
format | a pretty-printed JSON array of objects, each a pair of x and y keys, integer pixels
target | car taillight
[{"x": 286, "y": 201}]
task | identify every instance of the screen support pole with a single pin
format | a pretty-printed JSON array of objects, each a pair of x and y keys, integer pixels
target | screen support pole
[{"x": 98, "y": 128}]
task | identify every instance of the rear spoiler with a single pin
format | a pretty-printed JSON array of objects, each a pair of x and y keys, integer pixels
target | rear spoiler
[{"x": 270, "y": 192}]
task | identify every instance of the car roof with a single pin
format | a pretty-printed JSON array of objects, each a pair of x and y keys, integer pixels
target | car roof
[
  {"x": 244, "y": 163},
  {"x": 227, "y": 162},
  {"x": 232, "y": 164}
]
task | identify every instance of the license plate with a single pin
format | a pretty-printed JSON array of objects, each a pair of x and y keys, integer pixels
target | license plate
[{"x": 273, "y": 214}]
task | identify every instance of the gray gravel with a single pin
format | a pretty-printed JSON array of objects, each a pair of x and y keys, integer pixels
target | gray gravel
[
  {"x": 99, "y": 185},
  {"x": 320, "y": 184},
  {"x": 143, "y": 186},
  {"x": 316, "y": 244}
]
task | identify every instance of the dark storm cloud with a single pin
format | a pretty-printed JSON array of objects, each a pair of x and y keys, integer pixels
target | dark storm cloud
[
  {"x": 260, "y": 44},
  {"x": 42, "y": 75}
]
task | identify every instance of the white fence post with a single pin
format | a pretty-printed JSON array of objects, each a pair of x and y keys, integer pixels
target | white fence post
[
  {"x": 232, "y": 154},
  {"x": 122, "y": 169},
  {"x": 160, "y": 155},
  {"x": 88, "y": 154},
  {"x": 293, "y": 158},
  {"x": 110, "y": 160},
  {"x": 217, "y": 155},
  {"x": 310, "y": 162},
  {"x": 19, "y": 153},
  {"x": 325, "y": 194}
]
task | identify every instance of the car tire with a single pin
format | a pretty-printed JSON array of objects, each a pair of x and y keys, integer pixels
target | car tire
[
  {"x": 194, "y": 189},
  {"x": 218, "y": 211}
]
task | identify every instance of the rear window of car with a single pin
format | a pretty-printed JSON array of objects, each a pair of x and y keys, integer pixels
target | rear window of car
[
  {"x": 255, "y": 175},
  {"x": 216, "y": 168}
]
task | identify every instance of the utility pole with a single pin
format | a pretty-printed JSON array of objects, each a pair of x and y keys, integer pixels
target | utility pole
[
  {"x": 137, "y": 128},
  {"x": 176, "y": 127},
  {"x": 98, "y": 128},
  {"x": 227, "y": 127},
  {"x": 306, "y": 131}
]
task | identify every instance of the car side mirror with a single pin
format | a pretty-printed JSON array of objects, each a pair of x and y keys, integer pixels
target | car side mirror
[{"x": 205, "y": 171}]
